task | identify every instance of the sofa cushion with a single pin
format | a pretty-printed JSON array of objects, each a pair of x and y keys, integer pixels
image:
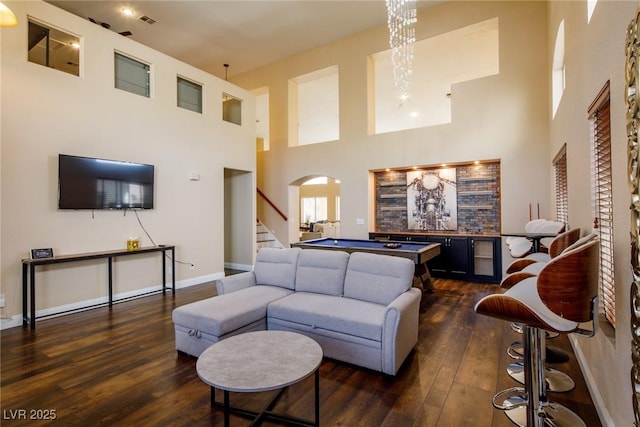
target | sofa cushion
[
  {"x": 321, "y": 271},
  {"x": 277, "y": 267},
  {"x": 224, "y": 314},
  {"x": 331, "y": 313},
  {"x": 377, "y": 278}
]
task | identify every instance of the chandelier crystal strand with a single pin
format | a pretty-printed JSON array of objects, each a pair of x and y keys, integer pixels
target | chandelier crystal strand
[{"x": 401, "y": 17}]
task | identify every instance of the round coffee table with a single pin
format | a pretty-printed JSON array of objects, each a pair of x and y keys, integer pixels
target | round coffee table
[{"x": 260, "y": 361}]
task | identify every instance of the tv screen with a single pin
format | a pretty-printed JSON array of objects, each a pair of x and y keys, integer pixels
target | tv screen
[{"x": 90, "y": 183}]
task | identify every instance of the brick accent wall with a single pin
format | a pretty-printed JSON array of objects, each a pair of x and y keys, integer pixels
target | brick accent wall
[{"x": 477, "y": 194}]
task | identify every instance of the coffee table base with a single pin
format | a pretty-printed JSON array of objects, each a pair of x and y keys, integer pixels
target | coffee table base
[{"x": 267, "y": 413}]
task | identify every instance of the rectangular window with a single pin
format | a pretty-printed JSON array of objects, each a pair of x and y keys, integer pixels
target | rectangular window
[
  {"x": 603, "y": 201},
  {"x": 314, "y": 111},
  {"x": 189, "y": 95},
  {"x": 313, "y": 209},
  {"x": 53, "y": 48},
  {"x": 562, "y": 195},
  {"x": 231, "y": 109},
  {"x": 132, "y": 76},
  {"x": 437, "y": 66}
]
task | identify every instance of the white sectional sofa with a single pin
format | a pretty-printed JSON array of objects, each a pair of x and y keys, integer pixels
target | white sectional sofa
[{"x": 360, "y": 308}]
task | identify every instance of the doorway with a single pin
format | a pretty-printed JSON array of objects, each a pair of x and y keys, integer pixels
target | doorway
[{"x": 239, "y": 219}]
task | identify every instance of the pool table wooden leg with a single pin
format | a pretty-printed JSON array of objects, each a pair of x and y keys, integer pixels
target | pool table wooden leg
[{"x": 423, "y": 275}]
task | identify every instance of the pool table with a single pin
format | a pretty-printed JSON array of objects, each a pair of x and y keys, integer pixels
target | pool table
[{"x": 419, "y": 253}]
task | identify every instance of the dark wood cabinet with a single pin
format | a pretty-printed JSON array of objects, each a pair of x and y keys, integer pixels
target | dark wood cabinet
[
  {"x": 473, "y": 258},
  {"x": 453, "y": 260}
]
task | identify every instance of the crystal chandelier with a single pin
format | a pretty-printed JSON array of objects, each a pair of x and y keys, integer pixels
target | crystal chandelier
[{"x": 401, "y": 15}]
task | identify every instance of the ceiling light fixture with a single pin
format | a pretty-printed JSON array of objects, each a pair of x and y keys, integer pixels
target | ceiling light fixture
[
  {"x": 128, "y": 11},
  {"x": 7, "y": 17},
  {"x": 401, "y": 16}
]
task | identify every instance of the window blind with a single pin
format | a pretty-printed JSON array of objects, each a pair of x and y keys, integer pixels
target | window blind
[
  {"x": 131, "y": 75},
  {"x": 189, "y": 95},
  {"x": 599, "y": 115},
  {"x": 562, "y": 191}
]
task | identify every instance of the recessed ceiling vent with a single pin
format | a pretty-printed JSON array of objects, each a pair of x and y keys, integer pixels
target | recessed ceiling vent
[{"x": 148, "y": 20}]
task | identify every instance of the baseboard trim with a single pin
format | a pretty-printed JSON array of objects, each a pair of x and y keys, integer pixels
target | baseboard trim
[
  {"x": 61, "y": 310},
  {"x": 236, "y": 266},
  {"x": 598, "y": 401}
]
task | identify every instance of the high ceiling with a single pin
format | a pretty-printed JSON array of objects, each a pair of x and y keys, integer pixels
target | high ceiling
[{"x": 245, "y": 34}]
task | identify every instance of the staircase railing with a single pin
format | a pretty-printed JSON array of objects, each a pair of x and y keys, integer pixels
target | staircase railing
[{"x": 261, "y": 194}]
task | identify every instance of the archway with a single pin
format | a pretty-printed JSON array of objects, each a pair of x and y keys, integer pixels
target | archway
[{"x": 314, "y": 202}]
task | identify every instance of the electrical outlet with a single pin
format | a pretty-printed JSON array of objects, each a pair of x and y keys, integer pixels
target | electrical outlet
[{"x": 1, "y": 300}]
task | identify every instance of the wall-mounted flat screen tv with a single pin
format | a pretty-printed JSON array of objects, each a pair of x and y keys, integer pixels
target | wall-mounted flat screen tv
[{"x": 90, "y": 183}]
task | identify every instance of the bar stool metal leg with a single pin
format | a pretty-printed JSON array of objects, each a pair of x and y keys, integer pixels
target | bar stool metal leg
[
  {"x": 539, "y": 412},
  {"x": 529, "y": 416},
  {"x": 555, "y": 380}
]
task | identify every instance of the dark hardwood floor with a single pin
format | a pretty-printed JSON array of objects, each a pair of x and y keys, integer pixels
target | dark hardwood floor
[{"x": 119, "y": 366}]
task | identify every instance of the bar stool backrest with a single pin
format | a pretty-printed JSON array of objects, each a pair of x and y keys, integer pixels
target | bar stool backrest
[
  {"x": 581, "y": 241},
  {"x": 562, "y": 241},
  {"x": 568, "y": 284}
]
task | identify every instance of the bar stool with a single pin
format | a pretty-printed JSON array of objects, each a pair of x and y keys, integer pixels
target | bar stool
[
  {"x": 559, "y": 299},
  {"x": 559, "y": 243},
  {"x": 527, "y": 267},
  {"x": 521, "y": 246}
]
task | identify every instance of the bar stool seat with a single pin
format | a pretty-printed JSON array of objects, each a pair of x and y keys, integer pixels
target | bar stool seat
[{"x": 559, "y": 299}]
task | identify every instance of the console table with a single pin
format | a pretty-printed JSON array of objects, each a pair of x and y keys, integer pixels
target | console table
[{"x": 29, "y": 270}]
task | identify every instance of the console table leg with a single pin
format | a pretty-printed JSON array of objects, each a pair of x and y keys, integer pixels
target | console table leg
[
  {"x": 25, "y": 314},
  {"x": 164, "y": 272},
  {"x": 110, "y": 281},
  {"x": 173, "y": 269},
  {"x": 32, "y": 278}
]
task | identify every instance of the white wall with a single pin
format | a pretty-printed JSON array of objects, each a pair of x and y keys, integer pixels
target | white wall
[
  {"x": 505, "y": 117},
  {"x": 500, "y": 117},
  {"x": 46, "y": 112},
  {"x": 595, "y": 53}
]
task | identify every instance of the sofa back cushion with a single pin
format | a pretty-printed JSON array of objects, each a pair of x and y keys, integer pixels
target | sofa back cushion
[
  {"x": 321, "y": 271},
  {"x": 276, "y": 267},
  {"x": 377, "y": 278}
]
